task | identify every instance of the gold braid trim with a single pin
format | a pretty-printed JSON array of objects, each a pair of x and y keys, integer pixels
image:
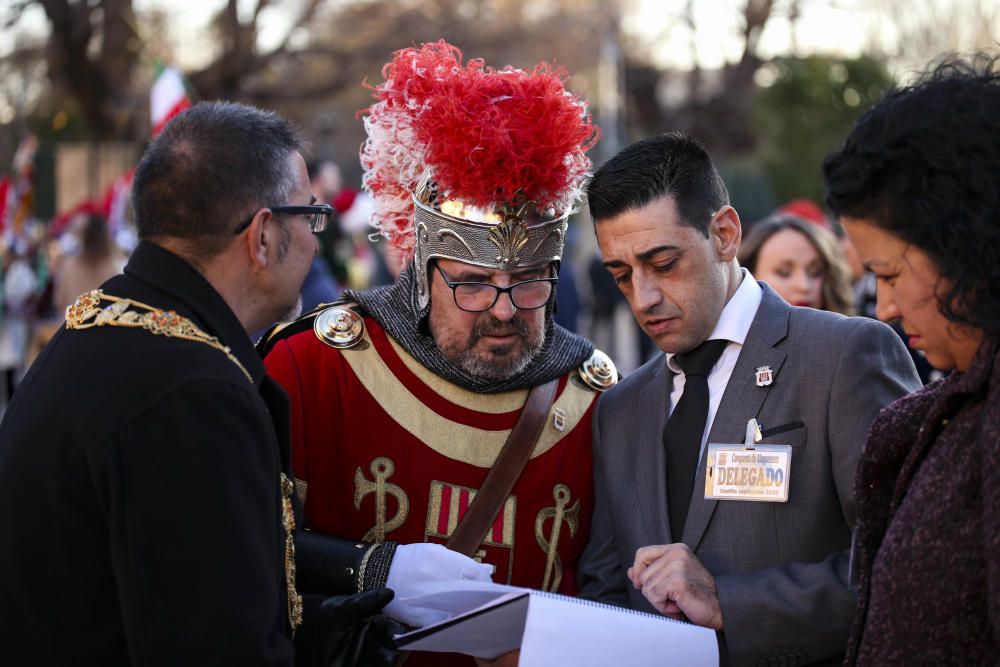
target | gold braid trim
[
  {"x": 87, "y": 313},
  {"x": 288, "y": 520}
]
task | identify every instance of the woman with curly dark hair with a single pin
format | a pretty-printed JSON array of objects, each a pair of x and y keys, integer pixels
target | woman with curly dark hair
[
  {"x": 917, "y": 188},
  {"x": 802, "y": 262}
]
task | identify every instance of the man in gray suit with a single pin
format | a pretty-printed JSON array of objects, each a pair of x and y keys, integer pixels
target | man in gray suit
[{"x": 770, "y": 577}]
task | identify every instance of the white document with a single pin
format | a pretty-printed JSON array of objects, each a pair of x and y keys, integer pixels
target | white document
[{"x": 487, "y": 620}]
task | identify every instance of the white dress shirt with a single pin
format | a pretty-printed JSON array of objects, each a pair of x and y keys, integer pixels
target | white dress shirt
[{"x": 733, "y": 325}]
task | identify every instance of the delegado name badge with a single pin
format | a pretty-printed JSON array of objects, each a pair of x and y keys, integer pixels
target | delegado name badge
[{"x": 751, "y": 473}]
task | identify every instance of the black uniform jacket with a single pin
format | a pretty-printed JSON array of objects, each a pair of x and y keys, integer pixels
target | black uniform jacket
[{"x": 140, "y": 502}]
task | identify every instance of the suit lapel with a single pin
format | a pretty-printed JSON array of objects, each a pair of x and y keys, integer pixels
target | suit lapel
[
  {"x": 650, "y": 460},
  {"x": 741, "y": 400}
]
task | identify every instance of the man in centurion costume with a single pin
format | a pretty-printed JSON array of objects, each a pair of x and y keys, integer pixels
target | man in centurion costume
[{"x": 449, "y": 408}]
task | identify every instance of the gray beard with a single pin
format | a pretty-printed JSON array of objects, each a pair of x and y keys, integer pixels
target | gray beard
[{"x": 500, "y": 367}]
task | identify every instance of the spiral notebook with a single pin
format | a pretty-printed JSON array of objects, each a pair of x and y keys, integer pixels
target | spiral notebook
[{"x": 487, "y": 620}]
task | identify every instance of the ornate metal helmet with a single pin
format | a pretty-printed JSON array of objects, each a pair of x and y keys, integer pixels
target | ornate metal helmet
[{"x": 471, "y": 163}]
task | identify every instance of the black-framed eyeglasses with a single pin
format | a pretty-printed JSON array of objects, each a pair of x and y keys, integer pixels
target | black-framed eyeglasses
[
  {"x": 318, "y": 216},
  {"x": 476, "y": 297}
]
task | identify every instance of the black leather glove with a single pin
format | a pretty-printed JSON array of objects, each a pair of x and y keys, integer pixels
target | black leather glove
[{"x": 352, "y": 631}]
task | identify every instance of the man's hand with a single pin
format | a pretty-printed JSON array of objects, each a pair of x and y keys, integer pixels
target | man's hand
[
  {"x": 353, "y": 632},
  {"x": 676, "y": 583}
]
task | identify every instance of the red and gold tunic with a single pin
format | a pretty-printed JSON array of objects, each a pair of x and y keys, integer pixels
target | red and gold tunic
[{"x": 387, "y": 450}]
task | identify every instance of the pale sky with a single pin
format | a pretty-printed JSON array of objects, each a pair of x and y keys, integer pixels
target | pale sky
[
  {"x": 836, "y": 27},
  {"x": 841, "y": 28}
]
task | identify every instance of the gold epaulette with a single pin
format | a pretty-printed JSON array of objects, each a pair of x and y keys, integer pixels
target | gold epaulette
[
  {"x": 309, "y": 320},
  {"x": 86, "y": 313},
  {"x": 598, "y": 372},
  {"x": 339, "y": 326}
]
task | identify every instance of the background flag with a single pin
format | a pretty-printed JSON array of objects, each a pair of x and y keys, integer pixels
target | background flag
[{"x": 167, "y": 98}]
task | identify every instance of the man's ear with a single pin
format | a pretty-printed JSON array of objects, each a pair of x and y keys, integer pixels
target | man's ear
[
  {"x": 261, "y": 239},
  {"x": 726, "y": 232}
]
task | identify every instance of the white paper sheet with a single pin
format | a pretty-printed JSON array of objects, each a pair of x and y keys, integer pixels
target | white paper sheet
[{"x": 487, "y": 620}]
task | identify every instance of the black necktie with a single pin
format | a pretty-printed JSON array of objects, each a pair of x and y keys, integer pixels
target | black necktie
[{"x": 683, "y": 432}]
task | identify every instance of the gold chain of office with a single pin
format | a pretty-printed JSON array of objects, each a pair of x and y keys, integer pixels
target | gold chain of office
[{"x": 87, "y": 313}]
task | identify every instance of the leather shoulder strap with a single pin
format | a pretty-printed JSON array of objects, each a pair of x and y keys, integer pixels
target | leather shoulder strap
[{"x": 506, "y": 470}]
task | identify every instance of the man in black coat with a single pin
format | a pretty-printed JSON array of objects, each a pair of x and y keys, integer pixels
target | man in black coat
[{"x": 146, "y": 513}]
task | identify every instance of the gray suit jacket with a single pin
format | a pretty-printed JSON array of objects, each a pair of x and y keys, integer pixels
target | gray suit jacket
[{"x": 780, "y": 568}]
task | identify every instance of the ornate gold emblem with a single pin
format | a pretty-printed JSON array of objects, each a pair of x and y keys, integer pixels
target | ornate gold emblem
[
  {"x": 288, "y": 522},
  {"x": 510, "y": 236},
  {"x": 339, "y": 327},
  {"x": 86, "y": 313},
  {"x": 382, "y": 469},
  {"x": 553, "y": 564},
  {"x": 599, "y": 372},
  {"x": 447, "y": 503}
]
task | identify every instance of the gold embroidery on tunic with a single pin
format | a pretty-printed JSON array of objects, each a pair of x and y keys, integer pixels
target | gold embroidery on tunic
[
  {"x": 454, "y": 512},
  {"x": 86, "y": 313},
  {"x": 382, "y": 469},
  {"x": 446, "y": 504},
  {"x": 553, "y": 564}
]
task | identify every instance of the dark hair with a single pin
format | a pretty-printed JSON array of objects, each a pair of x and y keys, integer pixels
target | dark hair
[
  {"x": 210, "y": 168},
  {"x": 95, "y": 241},
  {"x": 674, "y": 164},
  {"x": 924, "y": 165},
  {"x": 837, "y": 292}
]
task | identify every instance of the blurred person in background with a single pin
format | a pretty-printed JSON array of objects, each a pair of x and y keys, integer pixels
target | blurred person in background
[
  {"x": 91, "y": 258},
  {"x": 801, "y": 261},
  {"x": 97, "y": 260},
  {"x": 917, "y": 188},
  {"x": 354, "y": 262},
  {"x": 18, "y": 296}
]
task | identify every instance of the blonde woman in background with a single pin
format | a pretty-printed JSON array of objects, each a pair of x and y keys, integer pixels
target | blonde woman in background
[{"x": 801, "y": 261}]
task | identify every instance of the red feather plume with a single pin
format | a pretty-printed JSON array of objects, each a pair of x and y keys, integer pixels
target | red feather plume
[{"x": 480, "y": 134}]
